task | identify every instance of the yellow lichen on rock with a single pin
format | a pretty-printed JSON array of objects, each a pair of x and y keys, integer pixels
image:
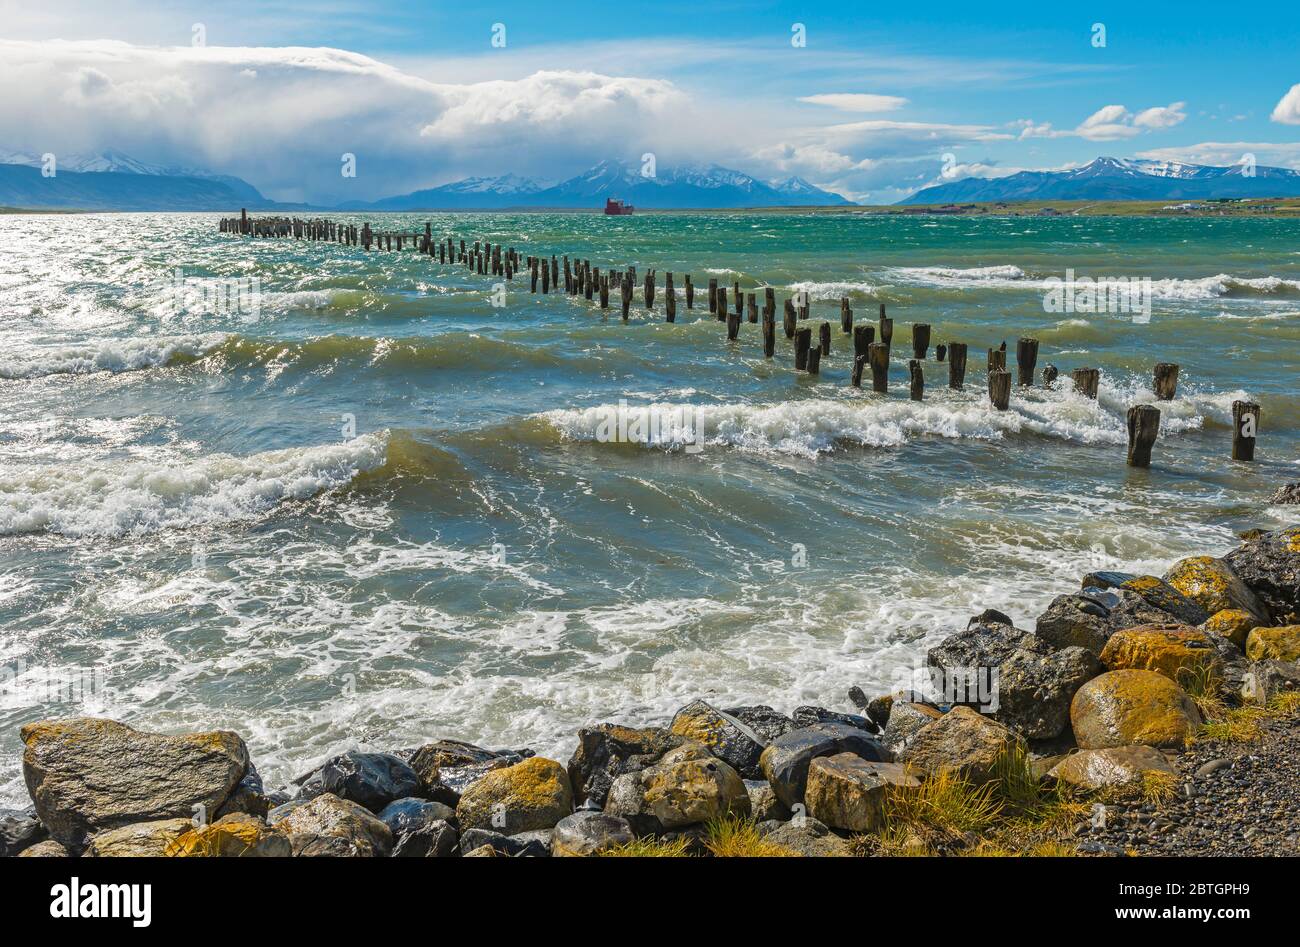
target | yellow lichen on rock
[
  {"x": 534, "y": 794},
  {"x": 237, "y": 835},
  {"x": 1231, "y": 623},
  {"x": 1281, "y": 643},
  {"x": 1167, "y": 649},
  {"x": 1129, "y": 707}
]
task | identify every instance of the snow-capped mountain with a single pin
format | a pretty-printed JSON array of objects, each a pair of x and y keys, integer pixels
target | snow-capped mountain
[
  {"x": 684, "y": 186},
  {"x": 1119, "y": 179}
]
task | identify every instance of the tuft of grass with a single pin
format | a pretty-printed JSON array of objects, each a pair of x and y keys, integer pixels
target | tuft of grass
[
  {"x": 946, "y": 802},
  {"x": 1236, "y": 725},
  {"x": 896, "y": 841},
  {"x": 1046, "y": 849},
  {"x": 1032, "y": 804},
  {"x": 1158, "y": 787},
  {"x": 1204, "y": 685},
  {"x": 1284, "y": 704},
  {"x": 734, "y": 837},
  {"x": 650, "y": 848}
]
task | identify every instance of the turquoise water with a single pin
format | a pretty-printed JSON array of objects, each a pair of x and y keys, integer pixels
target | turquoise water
[{"x": 373, "y": 508}]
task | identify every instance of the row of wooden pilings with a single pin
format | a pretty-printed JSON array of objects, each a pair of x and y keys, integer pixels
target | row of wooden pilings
[{"x": 869, "y": 352}]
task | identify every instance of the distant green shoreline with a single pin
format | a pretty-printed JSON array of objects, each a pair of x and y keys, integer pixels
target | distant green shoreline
[{"x": 1255, "y": 207}]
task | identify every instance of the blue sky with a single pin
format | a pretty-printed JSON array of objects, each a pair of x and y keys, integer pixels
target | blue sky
[{"x": 876, "y": 104}]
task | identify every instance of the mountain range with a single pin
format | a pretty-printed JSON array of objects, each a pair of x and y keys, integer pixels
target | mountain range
[
  {"x": 1117, "y": 179},
  {"x": 683, "y": 187}
]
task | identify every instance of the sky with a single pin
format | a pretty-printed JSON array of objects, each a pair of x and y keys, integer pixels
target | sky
[{"x": 872, "y": 101}]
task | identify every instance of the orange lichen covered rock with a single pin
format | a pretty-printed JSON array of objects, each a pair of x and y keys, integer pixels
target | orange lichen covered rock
[{"x": 1127, "y": 707}]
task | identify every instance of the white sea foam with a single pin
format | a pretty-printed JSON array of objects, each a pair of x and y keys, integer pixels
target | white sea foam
[
  {"x": 102, "y": 355},
  {"x": 832, "y": 290},
  {"x": 1172, "y": 288},
  {"x": 133, "y": 497},
  {"x": 945, "y": 275},
  {"x": 814, "y": 426}
]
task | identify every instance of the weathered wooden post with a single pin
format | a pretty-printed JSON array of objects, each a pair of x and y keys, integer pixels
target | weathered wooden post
[
  {"x": 555, "y": 271},
  {"x": 814, "y": 361},
  {"x": 878, "y": 356},
  {"x": 532, "y": 275},
  {"x": 1000, "y": 388},
  {"x": 1086, "y": 381},
  {"x": 859, "y": 363},
  {"x": 940, "y": 352},
  {"x": 1026, "y": 359},
  {"x": 690, "y": 292},
  {"x": 769, "y": 334},
  {"x": 720, "y": 300},
  {"x": 825, "y": 338},
  {"x": 846, "y": 316},
  {"x": 1166, "y": 381},
  {"x": 920, "y": 341},
  {"x": 649, "y": 289},
  {"x": 604, "y": 291},
  {"x": 769, "y": 301},
  {"x": 739, "y": 299},
  {"x": 997, "y": 360},
  {"x": 790, "y": 319},
  {"x": 802, "y": 343},
  {"x": 886, "y": 329},
  {"x": 1050, "y": 374},
  {"x": 917, "y": 378},
  {"x": 627, "y": 294},
  {"x": 863, "y": 336},
  {"x": 243, "y": 220},
  {"x": 1245, "y": 429},
  {"x": 1143, "y": 426},
  {"x": 568, "y": 277},
  {"x": 670, "y": 299},
  {"x": 956, "y": 365},
  {"x": 713, "y": 297},
  {"x": 751, "y": 301},
  {"x": 546, "y": 278},
  {"x": 587, "y": 279}
]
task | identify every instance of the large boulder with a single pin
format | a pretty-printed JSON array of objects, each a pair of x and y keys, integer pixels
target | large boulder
[
  {"x": 1012, "y": 675},
  {"x": 142, "y": 840},
  {"x": 767, "y": 722},
  {"x": 238, "y": 835},
  {"x": 726, "y": 737},
  {"x": 1158, "y": 593},
  {"x": 1212, "y": 584},
  {"x": 1128, "y": 707},
  {"x": 589, "y": 833},
  {"x": 906, "y": 718},
  {"x": 807, "y": 837},
  {"x": 372, "y": 780},
  {"x": 1269, "y": 564},
  {"x": 688, "y": 786},
  {"x": 420, "y": 828},
  {"x": 847, "y": 792},
  {"x": 1079, "y": 620},
  {"x": 533, "y": 794},
  {"x": 963, "y": 742},
  {"x": 19, "y": 830},
  {"x": 1111, "y": 768},
  {"x": 1231, "y": 624},
  {"x": 46, "y": 849},
  {"x": 763, "y": 804},
  {"x": 786, "y": 760},
  {"x": 1279, "y": 644},
  {"x": 524, "y": 845},
  {"x": 86, "y": 774},
  {"x": 447, "y": 768},
  {"x": 329, "y": 827},
  {"x": 1172, "y": 650},
  {"x": 607, "y": 751}
]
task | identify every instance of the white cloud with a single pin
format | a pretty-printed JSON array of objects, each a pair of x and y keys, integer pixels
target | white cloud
[
  {"x": 282, "y": 117},
  {"x": 1287, "y": 111},
  {"x": 1228, "y": 153},
  {"x": 1162, "y": 117},
  {"x": 857, "y": 101},
  {"x": 1109, "y": 123}
]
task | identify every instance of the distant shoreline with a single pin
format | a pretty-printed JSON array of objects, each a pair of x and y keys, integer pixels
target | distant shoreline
[{"x": 1281, "y": 208}]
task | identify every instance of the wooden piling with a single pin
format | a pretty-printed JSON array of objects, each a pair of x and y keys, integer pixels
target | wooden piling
[
  {"x": 956, "y": 365},
  {"x": 1165, "y": 381},
  {"x": 713, "y": 297},
  {"x": 1026, "y": 359},
  {"x": 670, "y": 299},
  {"x": 920, "y": 341},
  {"x": 790, "y": 319},
  {"x": 1245, "y": 429},
  {"x": 846, "y": 316},
  {"x": 859, "y": 363},
  {"x": 690, "y": 292},
  {"x": 604, "y": 291},
  {"x": 863, "y": 336},
  {"x": 627, "y": 294},
  {"x": 720, "y": 300},
  {"x": 825, "y": 338},
  {"x": 751, "y": 301},
  {"x": 1087, "y": 381},
  {"x": 814, "y": 361},
  {"x": 997, "y": 360},
  {"x": 769, "y": 334},
  {"x": 649, "y": 289},
  {"x": 802, "y": 343},
  {"x": 917, "y": 377},
  {"x": 1050, "y": 374},
  {"x": 940, "y": 352},
  {"x": 1000, "y": 388},
  {"x": 769, "y": 301},
  {"x": 1143, "y": 426},
  {"x": 878, "y": 357},
  {"x": 886, "y": 329}
]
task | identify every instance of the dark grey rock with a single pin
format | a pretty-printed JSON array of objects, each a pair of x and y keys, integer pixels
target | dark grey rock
[
  {"x": 372, "y": 780},
  {"x": 474, "y": 839},
  {"x": 590, "y": 833},
  {"x": 785, "y": 761},
  {"x": 19, "y": 829},
  {"x": 418, "y": 827},
  {"x": 1264, "y": 680},
  {"x": 808, "y": 715},
  {"x": 607, "y": 751},
  {"x": 728, "y": 738},
  {"x": 1290, "y": 494},
  {"x": 1270, "y": 567},
  {"x": 763, "y": 720}
]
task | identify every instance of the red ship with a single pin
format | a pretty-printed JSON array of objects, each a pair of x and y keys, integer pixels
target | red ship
[{"x": 616, "y": 207}]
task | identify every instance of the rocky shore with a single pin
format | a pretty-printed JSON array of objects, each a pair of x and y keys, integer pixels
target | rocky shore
[{"x": 1140, "y": 715}]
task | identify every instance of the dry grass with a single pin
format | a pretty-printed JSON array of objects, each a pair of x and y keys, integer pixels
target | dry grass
[
  {"x": 1204, "y": 686},
  {"x": 1158, "y": 787},
  {"x": 734, "y": 837},
  {"x": 651, "y": 848},
  {"x": 946, "y": 803}
]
